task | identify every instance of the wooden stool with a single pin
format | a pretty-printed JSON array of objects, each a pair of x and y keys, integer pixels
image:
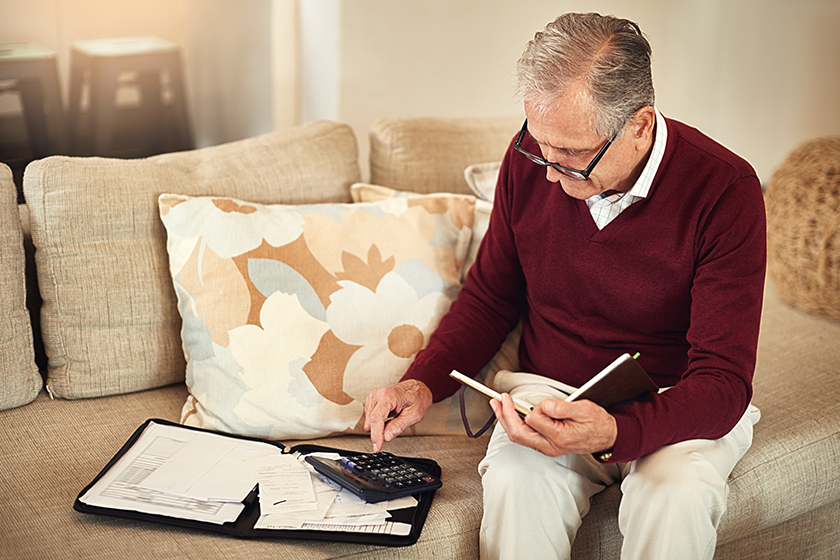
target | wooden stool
[
  {"x": 152, "y": 64},
  {"x": 30, "y": 69}
]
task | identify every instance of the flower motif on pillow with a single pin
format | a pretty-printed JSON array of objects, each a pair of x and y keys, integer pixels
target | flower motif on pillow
[
  {"x": 388, "y": 345},
  {"x": 292, "y": 314},
  {"x": 270, "y": 369},
  {"x": 230, "y": 228}
]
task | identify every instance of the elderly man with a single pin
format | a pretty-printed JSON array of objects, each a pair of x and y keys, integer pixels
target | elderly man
[{"x": 614, "y": 229}]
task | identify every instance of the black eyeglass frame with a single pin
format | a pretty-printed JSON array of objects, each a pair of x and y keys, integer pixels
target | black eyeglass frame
[{"x": 577, "y": 174}]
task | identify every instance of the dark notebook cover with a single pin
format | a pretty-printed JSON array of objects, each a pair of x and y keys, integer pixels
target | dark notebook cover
[{"x": 622, "y": 381}]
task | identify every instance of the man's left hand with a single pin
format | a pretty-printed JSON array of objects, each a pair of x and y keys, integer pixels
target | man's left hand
[{"x": 556, "y": 427}]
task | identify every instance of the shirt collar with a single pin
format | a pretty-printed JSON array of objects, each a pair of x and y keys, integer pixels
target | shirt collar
[
  {"x": 642, "y": 186},
  {"x": 645, "y": 180}
]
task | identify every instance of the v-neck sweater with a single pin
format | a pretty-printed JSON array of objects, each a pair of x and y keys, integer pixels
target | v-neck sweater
[{"x": 678, "y": 277}]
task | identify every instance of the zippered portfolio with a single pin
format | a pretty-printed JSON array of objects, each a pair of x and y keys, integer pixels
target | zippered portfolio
[{"x": 408, "y": 520}]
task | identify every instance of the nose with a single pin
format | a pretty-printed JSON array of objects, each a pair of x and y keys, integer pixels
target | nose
[{"x": 552, "y": 175}]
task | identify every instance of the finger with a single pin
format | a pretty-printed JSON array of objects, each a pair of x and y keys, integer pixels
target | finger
[
  {"x": 368, "y": 407},
  {"x": 499, "y": 412},
  {"x": 373, "y": 404},
  {"x": 377, "y": 436},
  {"x": 383, "y": 427},
  {"x": 520, "y": 431},
  {"x": 375, "y": 416},
  {"x": 509, "y": 408},
  {"x": 576, "y": 427},
  {"x": 509, "y": 417},
  {"x": 547, "y": 414},
  {"x": 553, "y": 411},
  {"x": 579, "y": 411},
  {"x": 396, "y": 426}
]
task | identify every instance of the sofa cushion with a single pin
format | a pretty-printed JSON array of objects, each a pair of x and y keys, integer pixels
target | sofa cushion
[
  {"x": 292, "y": 314},
  {"x": 791, "y": 467},
  {"x": 426, "y": 154},
  {"x": 52, "y": 459},
  {"x": 109, "y": 318},
  {"x": 21, "y": 381}
]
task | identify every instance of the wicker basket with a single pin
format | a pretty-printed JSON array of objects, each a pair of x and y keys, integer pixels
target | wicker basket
[{"x": 803, "y": 227}]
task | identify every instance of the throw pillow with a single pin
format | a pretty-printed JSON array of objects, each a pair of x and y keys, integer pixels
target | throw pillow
[
  {"x": 364, "y": 192},
  {"x": 20, "y": 382},
  {"x": 481, "y": 179},
  {"x": 291, "y": 314}
]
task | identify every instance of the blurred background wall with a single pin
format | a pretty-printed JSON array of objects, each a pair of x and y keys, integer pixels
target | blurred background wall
[{"x": 760, "y": 76}]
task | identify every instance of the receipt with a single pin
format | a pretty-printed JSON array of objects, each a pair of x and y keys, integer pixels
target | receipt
[{"x": 285, "y": 484}]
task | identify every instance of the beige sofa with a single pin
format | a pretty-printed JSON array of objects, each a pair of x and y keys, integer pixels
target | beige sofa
[{"x": 111, "y": 331}]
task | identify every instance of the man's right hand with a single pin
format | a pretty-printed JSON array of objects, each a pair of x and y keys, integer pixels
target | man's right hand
[{"x": 409, "y": 399}]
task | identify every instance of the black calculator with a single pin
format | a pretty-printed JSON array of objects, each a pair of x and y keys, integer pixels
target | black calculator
[{"x": 376, "y": 477}]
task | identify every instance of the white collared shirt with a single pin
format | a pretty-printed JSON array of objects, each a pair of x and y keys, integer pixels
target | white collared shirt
[{"x": 604, "y": 209}]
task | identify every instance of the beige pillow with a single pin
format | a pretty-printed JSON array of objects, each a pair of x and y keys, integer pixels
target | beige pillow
[
  {"x": 481, "y": 179},
  {"x": 292, "y": 314},
  {"x": 110, "y": 319},
  {"x": 20, "y": 381}
]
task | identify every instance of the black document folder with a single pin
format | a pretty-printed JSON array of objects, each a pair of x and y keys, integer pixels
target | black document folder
[{"x": 244, "y": 525}]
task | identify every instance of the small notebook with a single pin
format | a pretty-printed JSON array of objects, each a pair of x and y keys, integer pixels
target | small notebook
[{"x": 622, "y": 381}]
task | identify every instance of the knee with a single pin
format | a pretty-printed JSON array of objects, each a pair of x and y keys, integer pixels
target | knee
[
  {"x": 518, "y": 476},
  {"x": 511, "y": 468},
  {"x": 690, "y": 482}
]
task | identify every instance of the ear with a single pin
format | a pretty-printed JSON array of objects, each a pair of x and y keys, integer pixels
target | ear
[{"x": 642, "y": 126}]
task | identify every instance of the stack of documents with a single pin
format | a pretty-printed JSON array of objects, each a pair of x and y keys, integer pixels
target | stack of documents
[
  {"x": 207, "y": 477},
  {"x": 294, "y": 496}
]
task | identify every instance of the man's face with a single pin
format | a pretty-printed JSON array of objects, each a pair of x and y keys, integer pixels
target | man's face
[{"x": 563, "y": 130}]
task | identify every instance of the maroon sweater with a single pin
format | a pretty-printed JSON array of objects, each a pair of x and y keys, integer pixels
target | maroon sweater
[{"x": 678, "y": 276}]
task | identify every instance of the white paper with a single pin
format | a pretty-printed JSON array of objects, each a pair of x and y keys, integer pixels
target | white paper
[
  {"x": 285, "y": 484},
  {"x": 338, "y": 509},
  {"x": 228, "y": 477},
  {"x": 120, "y": 487},
  {"x": 324, "y": 502},
  {"x": 347, "y": 504},
  {"x": 209, "y": 467},
  {"x": 401, "y": 503},
  {"x": 387, "y": 528}
]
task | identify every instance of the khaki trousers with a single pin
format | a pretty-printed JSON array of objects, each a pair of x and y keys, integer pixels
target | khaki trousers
[{"x": 672, "y": 503}]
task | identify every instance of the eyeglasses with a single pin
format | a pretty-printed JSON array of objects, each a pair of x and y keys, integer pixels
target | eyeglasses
[{"x": 577, "y": 174}]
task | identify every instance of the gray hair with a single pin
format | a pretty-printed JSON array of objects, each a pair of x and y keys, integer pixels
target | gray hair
[{"x": 609, "y": 56}]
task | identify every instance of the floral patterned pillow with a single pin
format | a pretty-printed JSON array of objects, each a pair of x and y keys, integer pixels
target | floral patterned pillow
[
  {"x": 365, "y": 192},
  {"x": 291, "y": 314},
  {"x": 507, "y": 358}
]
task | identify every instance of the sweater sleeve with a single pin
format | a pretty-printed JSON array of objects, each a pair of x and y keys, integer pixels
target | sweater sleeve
[
  {"x": 726, "y": 300},
  {"x": 487, "y": 308}
]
